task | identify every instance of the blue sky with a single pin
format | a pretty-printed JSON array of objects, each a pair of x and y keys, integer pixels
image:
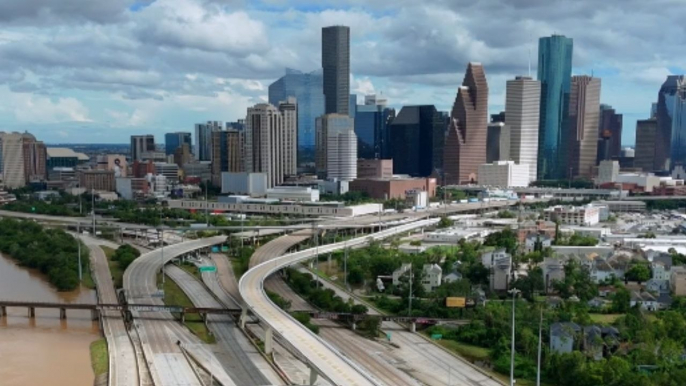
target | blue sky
[{"x": 91, "y": 71}]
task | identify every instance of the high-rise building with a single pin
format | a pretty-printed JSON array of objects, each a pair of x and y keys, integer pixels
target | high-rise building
[
  {"x": 554, "y": 73},
  {"x": 34, "y": 159},
  {"x": 522, "y": 113},
  {"x": 465, "y": 143},
  {"x": 678, "y": 138},
  {"x": 141, "y": 144},
  {"x": 227, "y": 153},
  {"x": 182, "y": 155},
  {"x": 371, "y": 127},
  {"x": 336, "y": 66},
  {"x": 173, "y": 141},
  {"x": 308, "y": 90},
  {"x": 270, "y": 140},
  {"x": 203, "y": 139},
  {"x": 610, "y": 133},
  {"x": 414, "y": 144},
  {"x": 666, "y": 101},
  {"x": 584, "y": 110},
  {"x": 336, "y": 156},
  {"x": 497, "y": 142},
  {"x": 646, "y": 135},
  {"x": 500, "y": 117}
]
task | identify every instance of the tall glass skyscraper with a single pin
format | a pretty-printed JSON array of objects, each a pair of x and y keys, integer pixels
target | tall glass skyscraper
[
  {"x": 678, "y": 137},
  {"x": 173, "y": 140},
  {"x": 371, "y": 126},
  {"x": 416, "y": 145},
  {"x": 555, "y": 74},
  {"x": 336, "y": 66},
  {"x": 307, "y": 88}
]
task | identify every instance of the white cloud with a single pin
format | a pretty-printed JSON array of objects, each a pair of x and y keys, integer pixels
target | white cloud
[{"x": 38, "y": 109}]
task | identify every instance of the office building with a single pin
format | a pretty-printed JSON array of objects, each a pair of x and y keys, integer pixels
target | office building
[
  {"x": 141, "y": 144},
  {"x": 465, "y": 143},
  {"x": 182, "y": 155},
  {"x": 610, "y": 133},
  {"x": 678, "y": 138},
  {"x": 20, "y": 158},
  {"x": 573, "y": 215},
  {"x": 374, "y": 168},
  {"x": 253, "y": 184},
  {"x": 203, "y": 139},
  {"x": 169, "y": 170},
  {"x": 308, "y": 90},
  {"x": 64, "y": 157},
  {"x": 498, "y": 136},
  {"x": 504, "y": 174},
  {"x": 270, "y": 140},
  {"x": 555, "y": 75},
  {"x": 132, "y": 188},
  {"x": 34, "y": 159},
  {"x": 173, "y": 141},
  {"x": 646, "y": 148},
  {"x": 416, "y": 141},
  {"x": 372, "y": 121},
  {"x": 99, "y": 180},
  {"x": 608, "y": 171},
  {"x": 664, "y": 113},
  {"x": 522, "y": 114},
  {"x": 114, "y": 162},
  {"x": 227, "y": 153},
  {"x": 336, "y": 156},
  {"x": 197, "y": 171},
  {"x": 293, "y": 193},
  {"x": 388, "y": 188},
  {"x": 500, "y": 117},
  {"x": 336, "y": 69},
  {"x": 584, "y": 111}
]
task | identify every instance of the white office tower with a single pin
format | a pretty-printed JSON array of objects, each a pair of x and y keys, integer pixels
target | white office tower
[
  {"x": 271, "y": 140},
  {"x": 522, "y": 112},
  {"x": 336, "y": 153},
  {"x": 504, "y": 174}
]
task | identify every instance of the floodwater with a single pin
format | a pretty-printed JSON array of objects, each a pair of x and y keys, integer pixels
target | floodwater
[{"x": 44, "y": 350}]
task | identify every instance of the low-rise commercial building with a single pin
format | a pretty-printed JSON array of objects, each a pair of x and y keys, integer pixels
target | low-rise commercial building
[
  {"x": 504, "y": 174},
  {"x": 677, "y": 281},
  {"x": 623, "y": 206},
  {"x": 293, "y": 193},
  {"x": 168, "y": 170},
  {"x": 102, "y": 180},
  {"x": 201, "y": 170},
  {"x": 388, "y": 188},
  {"x": 253, "y": 184},
  {"x": 131, "y": 188},
  {"x": 320, "y": 209},
  {"x": 374, "y": 168},
  {"x": 573, "y": 215}
]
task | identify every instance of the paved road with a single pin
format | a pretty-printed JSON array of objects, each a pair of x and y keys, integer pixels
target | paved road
[
  {"x": 158, "y": 331},
  {"x": 339, "y": 369},
  {"x": 123, "y": 368}
]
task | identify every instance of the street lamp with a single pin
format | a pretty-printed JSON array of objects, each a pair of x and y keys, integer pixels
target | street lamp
[{"x": 514, "y": 292}]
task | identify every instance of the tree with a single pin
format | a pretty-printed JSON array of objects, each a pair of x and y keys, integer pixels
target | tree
[
  {"x": 359, "y": 309},
  {"x": 638, "y": 272},
  {"x": 370, "y": 326},
  {"x": 445, "y": 222},
  {"x": 621, "y": 300},
  {"x": 355, "y": 276}
]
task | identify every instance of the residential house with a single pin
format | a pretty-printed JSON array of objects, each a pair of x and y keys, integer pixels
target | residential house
[
  {"x": 664, "y": 300},
  {"x": 553, "y": 270},
  {"x": 601, "y": 271},
  {"x": 657, "y": 286},
  {"x": 501, "y": 274},
  {"x": 597, "y": 303},
  {"x": 489, "y": 259},
  {"x": 645, "y": 300},
  {"x": 431, "y": 277},
  {"x": 661, "y": 268},
  {"x": 553, "y": 301},
  {"x": 606, "y": 291},
  {"x": 538, "y": 227},
  {"x": 562, "y": 336},
  {"x": 452, "y": 277},
  {"x": 532, "y": 239},
  {"x": 597, "y": 340},
  {"x": 677, "y": 281},
  {"x": 400, "y": 272}
]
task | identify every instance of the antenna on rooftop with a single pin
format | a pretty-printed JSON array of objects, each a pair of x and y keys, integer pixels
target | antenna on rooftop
[{"x": 529, "y": 62}]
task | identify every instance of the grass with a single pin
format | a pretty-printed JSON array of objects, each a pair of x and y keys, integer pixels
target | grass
[
  {"x": 192, "y": 269},
  {"x": 174, "y": 296},
  {"x": 99, "y": 357},
  {"x": 115, "y": 270},
  {"x": 469, "y": 352},
  {"x": 604, "y": 318},
  {"x": 238, "y": 267}
]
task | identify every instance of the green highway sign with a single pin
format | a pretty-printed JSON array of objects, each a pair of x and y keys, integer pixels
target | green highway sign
[
  {"x": 208, "y": 268},
  {"x": 436, "y": 336}
]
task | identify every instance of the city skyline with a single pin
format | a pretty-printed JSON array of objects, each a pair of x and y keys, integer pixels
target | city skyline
[{"x": 152, "y": 82}]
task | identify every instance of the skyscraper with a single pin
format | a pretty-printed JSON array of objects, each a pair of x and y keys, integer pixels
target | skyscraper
[
  {"x": 610, "y": 131},
  {"x": 336, "y": 66},
  {"x": 308, "y": 90},
  {"x": 666, "y": 102},
  {"x": 270, "y": 140},
  {"x": 497, "y": 142},
  {"x": 371, "y": 127},
  {"x": 644, "y": 156},
  {"x": 414, "y": 141},
  {"x": 337, "y": 147},
  {"x": 172, "y": 141},
  {"x": 554, "y": 73},
  {"x": 203, "y": 139},
  {"x": 678, "y": 138},
  {"x": 522, "y": 113},
  {"x": 465, "y": 144},
  {"x": 227, "y": 153},
  {"x": 141, "y": 144},
  {"x": 584, "y": 110}
]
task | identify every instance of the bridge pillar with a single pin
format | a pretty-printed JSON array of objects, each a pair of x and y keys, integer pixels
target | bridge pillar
[
  {"x": 3, "y": 311},
  {"x": 32, "y": 312},
  {"x": 95, "y": 314},
  {"x": 354, "y": 326},
  {"x": 183, "y": 317},
  {"x": 243, "y": 318},
  {"x": 268, "y": 340},
  {"x": 413, "y": 327},
  {"x": 313, "y": 374},
  {"x": 63, "y": 313}
]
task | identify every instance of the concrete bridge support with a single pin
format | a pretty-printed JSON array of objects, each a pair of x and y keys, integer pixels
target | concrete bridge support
[
  {"x": 3, "y": 311},
  {"x": 63, "y": 313},
  {"x": 243, "y": 318},
  {"x": 413, "y": 327},
  {"x": 269, "y": 341},
  {"x": 95, "y": 314},
  {"x": 32, "y": 312},
  {"x": 313, "y": 374}
]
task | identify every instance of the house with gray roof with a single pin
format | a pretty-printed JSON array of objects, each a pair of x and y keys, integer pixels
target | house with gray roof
[{"x": 562, "y": 337}]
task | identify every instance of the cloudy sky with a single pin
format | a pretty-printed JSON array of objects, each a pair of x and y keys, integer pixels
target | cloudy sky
[{"x": 98, "y": 71}]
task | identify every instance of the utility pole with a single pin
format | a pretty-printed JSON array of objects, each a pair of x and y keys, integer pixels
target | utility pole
[
  {"x": 345, "y": 263},
  {"x": 78, "y": 243},
  {"x": 409, "y": 308},
  {"x": 93, "y": 209},
  {"x": 514, "y": 293},
  {"x": 162, "y": 254},
  {"x": 316, "y": 259},
  {"x": 540, "y": 334},
  {"x": 207, "y": 208}
]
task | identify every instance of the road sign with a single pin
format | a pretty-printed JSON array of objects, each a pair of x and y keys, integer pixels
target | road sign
[
  {"x": 388, "y": 336},
  {"x": 436, "y": 336},
  {"x": 158, "y": 294},
  {"x": 455, "y": 302},
  {"x": 225, "y": 248},
  {"x": 215, "y": 249},
  {"x": 208, "y": 268}
]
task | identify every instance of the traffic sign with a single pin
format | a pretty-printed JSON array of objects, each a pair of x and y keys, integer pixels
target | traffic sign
[
  {"x": 208, "y": 268},
  {"x": 436, "y": 336},
  {"x": 158, "y": 294},
  {"x": 388, "y": 336}
]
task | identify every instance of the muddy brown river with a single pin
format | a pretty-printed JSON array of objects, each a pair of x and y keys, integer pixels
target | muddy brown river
[{"x": 44, "y": 350}]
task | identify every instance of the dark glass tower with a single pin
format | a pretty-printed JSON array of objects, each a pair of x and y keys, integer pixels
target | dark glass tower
[
  {"x": 413, "y": 140},
  {"x": 555, "y": 74},
  {"x": 665, "y": 114},
  {"x": 371, "y": 127},
  {"x": 678, "y": 118},
  {"x": 172, "y": 141},
  {"x": 336, "y": 66}
]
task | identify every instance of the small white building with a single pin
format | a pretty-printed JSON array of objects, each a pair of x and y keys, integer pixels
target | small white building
[
  {"x": 431, "y": 276},
  {"x": 400, "y": 272},
  {"x": 489, "y": 259},
  {"x": 293, "y": 193},
  {"x": 253, "y": 184},
  {"x": 573, "y": 215},
  {"x": 504, "y": 174},
  {"x": 608, "y": 171},
  {"x": 588, "y": 231},
  {"x": 452, "y": 277},
  {"x": 530, "y": 242}
]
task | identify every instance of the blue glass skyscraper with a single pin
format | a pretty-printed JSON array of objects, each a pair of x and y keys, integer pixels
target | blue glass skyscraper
[
  {"x": 554, "y": 73},
  {"x": 173, "y": 140},
  {"x": 677, "y": 99},
  {"x": 308, "y": 90},
  {"x": 371, "y": 127}
]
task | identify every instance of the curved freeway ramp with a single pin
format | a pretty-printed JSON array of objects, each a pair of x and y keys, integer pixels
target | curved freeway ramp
[{"x": 339, "y": 369}]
